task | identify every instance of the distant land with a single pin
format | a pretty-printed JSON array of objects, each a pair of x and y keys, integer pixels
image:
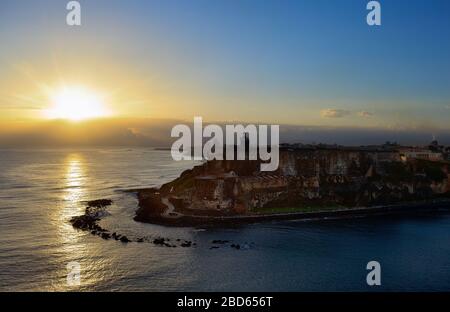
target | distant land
[{"x": 148, "y": 132}]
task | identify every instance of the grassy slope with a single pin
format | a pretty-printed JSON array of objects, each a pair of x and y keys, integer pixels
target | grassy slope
[{"x": 309, "y": 208}]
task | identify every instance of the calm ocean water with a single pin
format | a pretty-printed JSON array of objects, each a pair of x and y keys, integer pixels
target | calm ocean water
[{"x": 41, "y": 189}]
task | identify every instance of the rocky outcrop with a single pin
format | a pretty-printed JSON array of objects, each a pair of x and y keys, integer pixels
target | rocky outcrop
[
  {"x": 150, "y": 203},
  {"x": 306, "y": 177},
  {"x": 96, "y": 209},
  {"x": 92, "y": 214}
]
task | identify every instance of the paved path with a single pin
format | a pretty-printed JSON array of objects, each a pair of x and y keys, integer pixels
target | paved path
[{"x": 170, "y": 211}]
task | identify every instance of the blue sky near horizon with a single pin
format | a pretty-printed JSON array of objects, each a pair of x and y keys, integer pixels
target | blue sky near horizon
[{"x": 272, "y": 61}]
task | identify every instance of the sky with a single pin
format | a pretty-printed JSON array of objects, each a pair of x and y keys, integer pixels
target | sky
[{"x": 305, "y": 63}]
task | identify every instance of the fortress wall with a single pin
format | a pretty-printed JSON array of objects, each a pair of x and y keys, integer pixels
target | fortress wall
[{"x": 248, "y": 184}]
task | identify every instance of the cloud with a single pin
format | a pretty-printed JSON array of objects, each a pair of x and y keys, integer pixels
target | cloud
[
  {"x": 145, "y": 132},
  {"x": 365, "y": 114},
  {"x": 334, "y": 113}
]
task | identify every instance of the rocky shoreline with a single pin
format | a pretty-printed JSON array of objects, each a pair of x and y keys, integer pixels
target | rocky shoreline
[
  {"x": 89, "y": 221},
  {"x": 158, "y": 217},
  {"x": 308, "y": 183},
  {"x": 96, "y": 209}
]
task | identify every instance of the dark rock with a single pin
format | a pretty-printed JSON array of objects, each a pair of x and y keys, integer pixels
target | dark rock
[
  {"x": 150, "y": 205},
  {"x": 88, "y": 221},
  {"x": 84, "y": 222},
  {"x": 117, "y": 236},
  {"x": 124, "y": 239},
  {"x": 186, "y": 244},
  {"x": 99, "y": 203},
  {"x": 158, "y": 241},
  {"x": 235, "y": 246},
  {"x": 218, "y": 241},
  {"x": 140, "y": 240}
]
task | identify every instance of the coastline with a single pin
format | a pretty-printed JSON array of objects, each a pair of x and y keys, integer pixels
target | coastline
[
  {"x": 314, "y": 182},
  {"x": 435, "y": 205}
]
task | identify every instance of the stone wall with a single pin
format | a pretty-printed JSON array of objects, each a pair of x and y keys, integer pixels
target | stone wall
[{"x": 339, "y": 176}]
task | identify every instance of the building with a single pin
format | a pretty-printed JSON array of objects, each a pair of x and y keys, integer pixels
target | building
[{"x": 420, "y": 153}]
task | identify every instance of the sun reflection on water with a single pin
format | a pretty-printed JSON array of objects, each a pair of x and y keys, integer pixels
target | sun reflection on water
[
  {"x": 74, "y": 183},
  {"x": 77, "y": 246},
  {"x": 73, "y": 186}
]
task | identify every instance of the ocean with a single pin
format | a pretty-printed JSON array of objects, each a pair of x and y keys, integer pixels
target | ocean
[{"x": 41, "y": 189}]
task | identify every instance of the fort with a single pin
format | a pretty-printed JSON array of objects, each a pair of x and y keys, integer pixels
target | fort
[
  {"x": 257, "y": 144},
  {"x": 309, "y": 179}
]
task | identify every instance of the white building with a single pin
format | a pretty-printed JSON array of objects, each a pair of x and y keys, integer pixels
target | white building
[{"x": 420, "y": 153}]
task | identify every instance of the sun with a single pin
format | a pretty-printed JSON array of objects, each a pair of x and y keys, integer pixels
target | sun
[{"x": 76, "y": 104}]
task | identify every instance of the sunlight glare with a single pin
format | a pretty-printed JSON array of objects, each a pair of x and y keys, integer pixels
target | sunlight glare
[{"x": 76, "y": 103}]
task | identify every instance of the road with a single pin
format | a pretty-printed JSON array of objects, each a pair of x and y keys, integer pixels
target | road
[{"x": 170, "y": 211}]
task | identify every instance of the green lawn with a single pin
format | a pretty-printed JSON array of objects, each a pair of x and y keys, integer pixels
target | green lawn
[{"x": 306, "y": 208}]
